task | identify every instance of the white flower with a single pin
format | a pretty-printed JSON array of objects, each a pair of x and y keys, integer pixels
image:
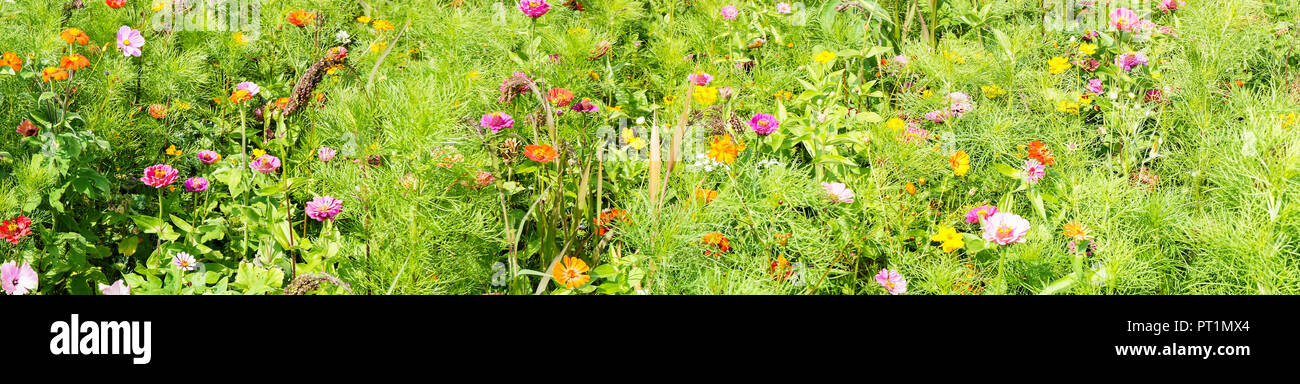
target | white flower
[
  {"x": 184, "y": 261},
  {"x": 342, "y": 37}
]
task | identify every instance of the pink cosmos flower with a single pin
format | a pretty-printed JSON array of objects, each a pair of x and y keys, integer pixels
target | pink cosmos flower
[
  {"x": 118, "y": 288},
  {"x": 729, "y": 12},
  {"x": 1167, "y": 6},
  {"x": 1130, "y": 60},
  {"x": 326, "y": 154},
  {"x": 534, "y": 8},
  {"x": 265, "y": 164},
  {"x": 196, "y": 184},
  {"x": 1095, "y": 87},
  {"x": 783, "y": 7},
  {"x": 764, "y": 124},
  {"x": 496, "y": 121},
  {"x": 129, "y": 40},
  {"x": 1123, "y": 19},
  {"x": 250, "y": 87},
  {"x": 838, "y": 192},
  {"x": 208, "y": 157},
  {"x": 892, "y": 281},
  {"x": 1034, "y": 170},
  {"x": 184, "y": 262},
  {"x": 980, "y": 213},
  {"x": 324, "y": 208},
  {"x": 699, "y": 78},
  {"x": 1005, "y": 228},
  {"x": 160, "y": 175},
  {"x": 18, "y": 280}
]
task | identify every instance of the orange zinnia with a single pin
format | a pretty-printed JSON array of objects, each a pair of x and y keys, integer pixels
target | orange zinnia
[
  {"x": 911, "y": 188},
  {"x": 724, "y": 149},
  {"x": 717, "y": 240},
  {"x": 705, "y": 196},
  {"x": 54, "y": 73},
  {"x": 572, "y": 272},
  {"x": 540, "y": 153},
  {"x": 74, "y": 62},
  {"x": 1039, "y": 151},
  {"x": 301, "y": 18},
  {"x": 240, "y": 95},
  {"x": 11, "y": 60},
  {"x": 73, "y": 35},
  {"x": 158, "y": 111}
]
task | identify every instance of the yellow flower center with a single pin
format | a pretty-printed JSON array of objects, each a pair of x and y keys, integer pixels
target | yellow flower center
[
  {"x": 1004, "y": 230},
  {"x": 532, "y": 4},
  {"x": 762, "y": 122},
  {"x": 13, "y": 227},
  {"x": 159, "y": 173},
  {"x": 126, "y": 42}
]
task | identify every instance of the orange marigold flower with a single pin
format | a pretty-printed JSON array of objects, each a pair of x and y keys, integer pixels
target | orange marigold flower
[
  {"x": 1039, "y": 151},
  {"x": 54, "y": 73},
  {"x": 911, "y": 188},
  {"x": 1077, "y": 231},
  {"x": 11, "y": 60},
  {"x": 705, "y": 196},
  {"x": 240, "y": 96},
  {"x": 73, "y": 35},
  {"x": 74, "y": 62},
  {"x": 716, "y": 240},
  {"x": 724, "y": 149},
  {"x": 382, "y": 25},
  {"x": 158, "y": 111},
  {"x": 301, "y": 18},
  {"x": 540, "y": 153},
  {"x": 572, "y": 272}
]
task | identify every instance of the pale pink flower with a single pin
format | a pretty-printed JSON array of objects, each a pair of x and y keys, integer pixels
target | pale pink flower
[
  {"x": 783, "y": 7},
  {"x": 118, "y": 288},
  {"x": 129, "y": 40},
  {"x": 1124, "y": 19},
  {"x": 1005, "y": 228},
  {"x": 892, "y": 281},
  {"x": 1034, "y": 171},
  {"x": 729, "y": 12},
  {"x": 838, "y": 192},
  {"x": 326, "y": 154},
  {"x": 18, "y": 280},
  {"x": 249, "y": 87},
  {"x": 184, "y": 262}
]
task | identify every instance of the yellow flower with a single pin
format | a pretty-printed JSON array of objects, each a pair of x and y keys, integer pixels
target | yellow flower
[
  {"x": 824, "y": 57},
  {"x": 1066, "y": 106},
  {"x": 618, "y": 108},
  {"x": 363, "y": 19},
  {"x": 594, "y": 75},
  {"x": 1289, "y": 119},
  {"x": 992, "y": 91},
  {"x": 927, "y": 93},
  {"x": 1085, "y": 100},
  {"x": 724, "y": 149},
  {"x": 382, "y": 25},
  {"x": 239, "y": 38},
  {"x": 1058, "y": 65},
  {"x": 1088, "y": 48},
  {"x": 572, "y": 273},
  {"x": 783, "y": 95},
  {"x": 1156, "y": 75},
  {"x": 258, "y": 153},
  {"x": 704, "y": 95},
  {"x": 1077, "y": 231},
  {"x": 577, "y": 31},
  {"x": 960, "y": 162},
  {"x": 953, "y": 56},
  {"x": 789, "y": 45},
  {"x": 705, "y": 196},
  {"x": 949, "y": 239},
  {"x": 159, "y": 5},
  {"x": 378, "y": 46},
  {"x": 172, "y": 151},
  {"x": 896, "y": 124},
  {"x": 630, "y": 138},
  {"x": 473, "y": 75},
  {"x": 669, "y": 99}
]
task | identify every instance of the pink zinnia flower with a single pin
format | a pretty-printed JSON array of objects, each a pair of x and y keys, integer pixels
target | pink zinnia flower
[
  {"x": 980, "y": 213},
  {"x": 250, "y": 87},
  {"x": 337, "y": 53},
  {"x": 1130, "y": 59},
  {"x": 129, "y": 40},
  {"x": 184, "y": 262},
  {"x": 118, "y": 288},
  {"x": 534, "y": 8},
  {"x": 265, "y": 164},
  {"x": 483, "y": 179},
  {"x": 838, "y": 192},
  {"x": 18, "y": 280},
  {"x": 196, "y": 184},
  {"x": 1123, "y": 19},
  {"x": 699, "y": 78},
  {"x": 783, "y": 7},
  {"x": 892, "y": 281},
  {"x": 1034, "y": 170},
  {"x": 496, "y": 121},
  {"x": 729, "y": 12},
  {"x": 1095, "y": 87},
  {"x": 208, "y": 157},
  {"x": 324, "y": 208},
  {"x": 1170, "y": 5},
  {"x": 764, "y": 124},
  {"x": 160, "y": 175},
  {"x": 326, "y": 153},
  {"x": 1005, "y": 228}
]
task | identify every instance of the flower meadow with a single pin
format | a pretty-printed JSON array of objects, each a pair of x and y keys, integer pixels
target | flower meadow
[{"x": 890, "y": 147}]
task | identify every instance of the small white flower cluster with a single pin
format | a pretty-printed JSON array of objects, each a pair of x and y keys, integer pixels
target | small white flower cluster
[{"x": 703, "y": 162}]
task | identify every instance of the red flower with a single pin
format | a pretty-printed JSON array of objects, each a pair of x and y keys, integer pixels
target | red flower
[
  {"x": 606, "y": 218},
  {"x": 540, "y": 153},
  {"x": 26, "y": 128},
  {"x": 1039, "y": 151},
  {"x": 559, "y": 97},
  {"x": 115, "y": 4},
  {"x": 15, "y": 229}
]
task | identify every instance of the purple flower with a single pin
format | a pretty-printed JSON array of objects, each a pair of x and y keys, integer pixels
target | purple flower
[
  {"x": 265, "y": 164},
  {"x": 196, "y": 184},
  {"x": 1167, "y": 6},
  {"x": 783, "y": 7},
  {"x": 497, "y": 121},
  {"x": 585, "y": 106},
  {"x": 326, "y": 154},
  {"x": 534, "y": 8},
  {"x": 764, "y": 124},
  {"x": 324, "y": 208},
  {"x": 980, "y": 213},
  {"x": 1095, "y": 87},
  {"x": 1130, "y": 59},
  {"x": 729, "y": 12},
  {"x": 208, "y": 157},
  {"x": 699, "y": 78},
  {"x": 892, "y": 281},
  {"x": 129, "y": 40}
]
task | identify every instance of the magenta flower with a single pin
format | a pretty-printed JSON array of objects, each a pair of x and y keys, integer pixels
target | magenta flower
[
  {"x": 764, "y": 124},
  {"x": 1005, "y": 228},
  {"x": 265, "y": 164},
  {"x": 783, "y": 7},
  {"x": 250, "y": 87},
  {"x": 534, "y": 8},
  {"x": 326, "y": 154},
  {"x": 208, "y": 157},
  {"x": 1034, "y": 171},
  {"x": 980, "y": 213},
  {"x": 1155, "y": 95},
  {"x": 1167, "y": 6},
  {"x": 496, "y": 121},
  {"x": 1130, "y": 60},
  {"x": 838, "y": 192},
  {"x": 196, "y": 184},
  {"x": 129, "y": 40},
  {"x": 729, "y": 12},
  {"x": 324, "y": 208},
  {"x": 699, "y": 78},
  {"x": 18, "y": 280},
  {"x": 1124, "y": 19},
  {"x": 1095, "y": 87},
  {"x": 160, "y": 175},
  {"x": 585, "y": 106},
  {"x": 892, "y": 281},
  {"x": 118, "y": 288}
]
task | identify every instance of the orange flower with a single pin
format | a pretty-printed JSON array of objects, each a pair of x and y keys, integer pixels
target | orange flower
[
  {"x": 559, "y": 97},
  {"x": 158, "y": 111},
  {"x": 74, "y": 62},
  {"x": 301, "y": 18},
  {"x": 540, "y": 153},
  {"x": 607, "y": 217},
  {"x": 1039, "y": 151},
  {"x": 1077, "y": 231},
  {"x": 239, "y": 96},
  {"x": 705, "y": 196},
  {"x": 572, "y": 273},
  {"x": 54, "y": 73},
  {"x": 781, "y": 268},
  {"x": 724, "y": 149},
  {"x": 716, "y": 240},
  {"x": 73, "y": 35},
  {"x": 382, "y": 25},
  {"x": 911, "y": 188},
  {"x": 11, "y": 60}
]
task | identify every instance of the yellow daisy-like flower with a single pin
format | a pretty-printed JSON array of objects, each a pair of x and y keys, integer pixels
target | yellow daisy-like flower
[
  {"x": 378, "y": 46},
  {"x": 1289, "y": 119},
  {"x": 992, "y": 91},
  {"x": 382, "y": 25},
  {"x": 953, "y": 56},
  {"x": 239, "y": 38},
  {"x": 960, "y": 162},
  {"x": 824, "y": 57},
  {"x": 725, "y": 150},
  {"x": 258, "y": 153},
  {"x": 948, "y": 239},
  {"x": 1088, "y": 49},
  {"x": 896, "y": 124},
  {"x": 632, "y": 140},
  {"x": 1066, "y": 106},
  {"x": 1058, "y": 65},
  {"x": 172, "y": 151},
  {"x": 473, "y": 75},
  {"x": 578, "y": 31},
  {"x": 158, "y": 5},
  {"x": 363, "y": 19},
  {"x": 927, "y": 93},
  {"x": 571, "y": 273},
  {"x": 705, "y": 95}
]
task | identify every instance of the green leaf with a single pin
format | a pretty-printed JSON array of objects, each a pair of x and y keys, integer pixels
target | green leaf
[
  {"x": 182, "y": 224},
  {"x": 148, "y": 224},
  {"x": 604, "y": 271},
  {"x": 254, "y": 280},
  {"x": 128, "y": 245}
]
